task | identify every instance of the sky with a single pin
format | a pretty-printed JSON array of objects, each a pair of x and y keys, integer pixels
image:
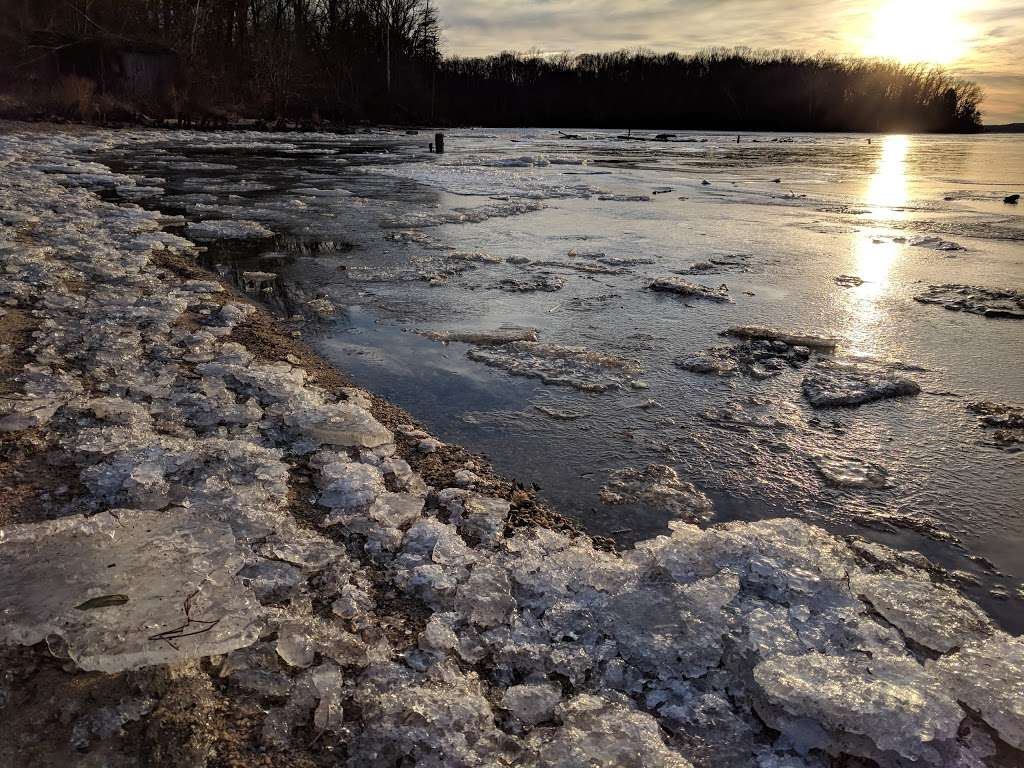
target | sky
[{"x": 982, "y": 40}]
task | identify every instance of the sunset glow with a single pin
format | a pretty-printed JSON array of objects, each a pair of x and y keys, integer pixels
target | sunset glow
[{"x": 927, "y": 31}]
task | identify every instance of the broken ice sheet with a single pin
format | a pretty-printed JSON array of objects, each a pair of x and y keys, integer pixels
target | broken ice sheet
[
  {"x": 838, "y": 384},
  {"x": 658, "y": 486},
  {"x": 930, "y": 614},
  {"x": 846, "y": 471},
  {"x": 575, "y": 367},
  {"x": 176, "y": 569},
  {"x": 825, "y": 702},
  {"x": 600, "y": 733},
  {"x": 988, "y": 676}
]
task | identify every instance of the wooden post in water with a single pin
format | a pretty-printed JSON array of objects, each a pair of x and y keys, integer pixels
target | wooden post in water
[{"x": 439, "y": 143}]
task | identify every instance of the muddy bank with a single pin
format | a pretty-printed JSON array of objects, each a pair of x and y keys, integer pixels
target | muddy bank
[{"x": 258, "y": 564}]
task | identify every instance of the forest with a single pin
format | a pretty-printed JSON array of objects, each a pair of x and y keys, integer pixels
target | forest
[{"x": 306, "y": 62}]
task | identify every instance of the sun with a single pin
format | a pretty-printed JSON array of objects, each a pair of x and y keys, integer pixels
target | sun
[{"x": 911, "y": 31}]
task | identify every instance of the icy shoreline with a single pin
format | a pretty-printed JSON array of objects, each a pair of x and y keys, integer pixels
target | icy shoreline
[{"x": 235, "y": 512}]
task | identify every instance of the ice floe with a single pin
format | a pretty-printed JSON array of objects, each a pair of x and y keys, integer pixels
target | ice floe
[
  {"x": 690, "y": 290},
  {"x": 989, "y": 302},
  {"x": 831, "y": 383}
]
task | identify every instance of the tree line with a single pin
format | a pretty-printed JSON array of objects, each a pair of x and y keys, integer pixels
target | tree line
[
  {"x": 737, "y": 89},
  {"x": 380, "y": 60}
]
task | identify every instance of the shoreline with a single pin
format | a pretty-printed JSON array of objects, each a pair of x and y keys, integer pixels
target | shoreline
[{"x": 374, "y": 612}]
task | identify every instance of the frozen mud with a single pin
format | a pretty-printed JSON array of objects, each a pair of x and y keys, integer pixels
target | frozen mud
[
  {"x": 233, "y": 511},
  {"x": 989, "y": 302}
]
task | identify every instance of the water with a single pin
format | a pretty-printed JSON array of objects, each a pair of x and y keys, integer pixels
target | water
[{"x": 400, "y": 240}]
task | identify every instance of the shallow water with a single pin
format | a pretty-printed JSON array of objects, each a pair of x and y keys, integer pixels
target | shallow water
[{"x": 399, "y": 240}]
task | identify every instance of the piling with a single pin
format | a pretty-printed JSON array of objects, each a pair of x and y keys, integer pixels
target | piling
[{"x": 439, "y": 143}]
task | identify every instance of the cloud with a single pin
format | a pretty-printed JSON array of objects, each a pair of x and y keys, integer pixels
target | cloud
[{"x": 481, "y": 27}]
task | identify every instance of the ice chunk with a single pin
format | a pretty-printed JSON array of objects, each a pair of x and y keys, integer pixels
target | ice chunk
[
  {"x": 555, "y": 364},
  {"x": 814, "y": 341},
  {"x": 599, "y": 733},
  {"x": 930, "y": 614},
  {"x": 340, "y": 424},
  {"x": 502, "y": 335},
  {"x": 695, "y": 290},
  {"x": 658, "y": 486},
  {"x": 821, "y": 701},
  {"x": 18, "y": 413},
  {"x": 833, "y": 384},
  {"x": 486, "y": 599},
  {"x": 226, "y": 229},
  {"x": 272, "y": 581},
  {"x": 396, "y": 510},
  {"x": 126, "y": 589},
  {"x": 349, "y": 485},
  {"x": 849, "y": 472},
  {"x": 989, "y": 302},
  {"x": 988, "y": 676},
  {"x": 1007, "y": 421},
  {"x": 532, "y": 703}
]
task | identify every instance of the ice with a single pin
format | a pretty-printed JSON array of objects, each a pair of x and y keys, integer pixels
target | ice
[
  {"x": 685, "y": 288},
  {"x": 427, "y": 629},
  {"x": 396, "y": 510},
  {"x": 1006, "y": 420},
  {"x": 848, "y": 281},
  {"x": 464, "y": 215},
  {"x": 931, "y": 615},
  {"x": 871, "y": 707},
  {"x": 328, "y": 680},
  {"x": 574, "y": 367},
  {"x": 486, "y": 599},
  {"x": 849, "y": 472},
  {"x": 538, "y": 282},
  {"x": 598, "y": 732},
  {"x": 19, "y": 413},
  {"x": 82, "y": 580},
  {"x": 339, "y": 424},
  {"x": 832, "y": 384},
  {"x": 990, "y": 302},
  {"x": 230, "y": 229},
  {"x": 502, "y": 335},
  {"x": 659, "y": 487},
  {"x": 793, "y": 339},
  {"x": 758, "y": 359},
  {"x": 437, "y": 719},
  {"x": 349, "y": 485},
  {"x": 935, "y": 243},
  {"x": 532, "y": 703},
  {"x": 482, "y": 518},
  {"x": 988, "y": 676},
  {"x": 272, "y": 581}
]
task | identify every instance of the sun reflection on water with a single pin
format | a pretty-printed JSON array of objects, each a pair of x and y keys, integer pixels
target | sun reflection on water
[
  {"x": 874, "y": 255},
  {"x": 887, "y": 189}
]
